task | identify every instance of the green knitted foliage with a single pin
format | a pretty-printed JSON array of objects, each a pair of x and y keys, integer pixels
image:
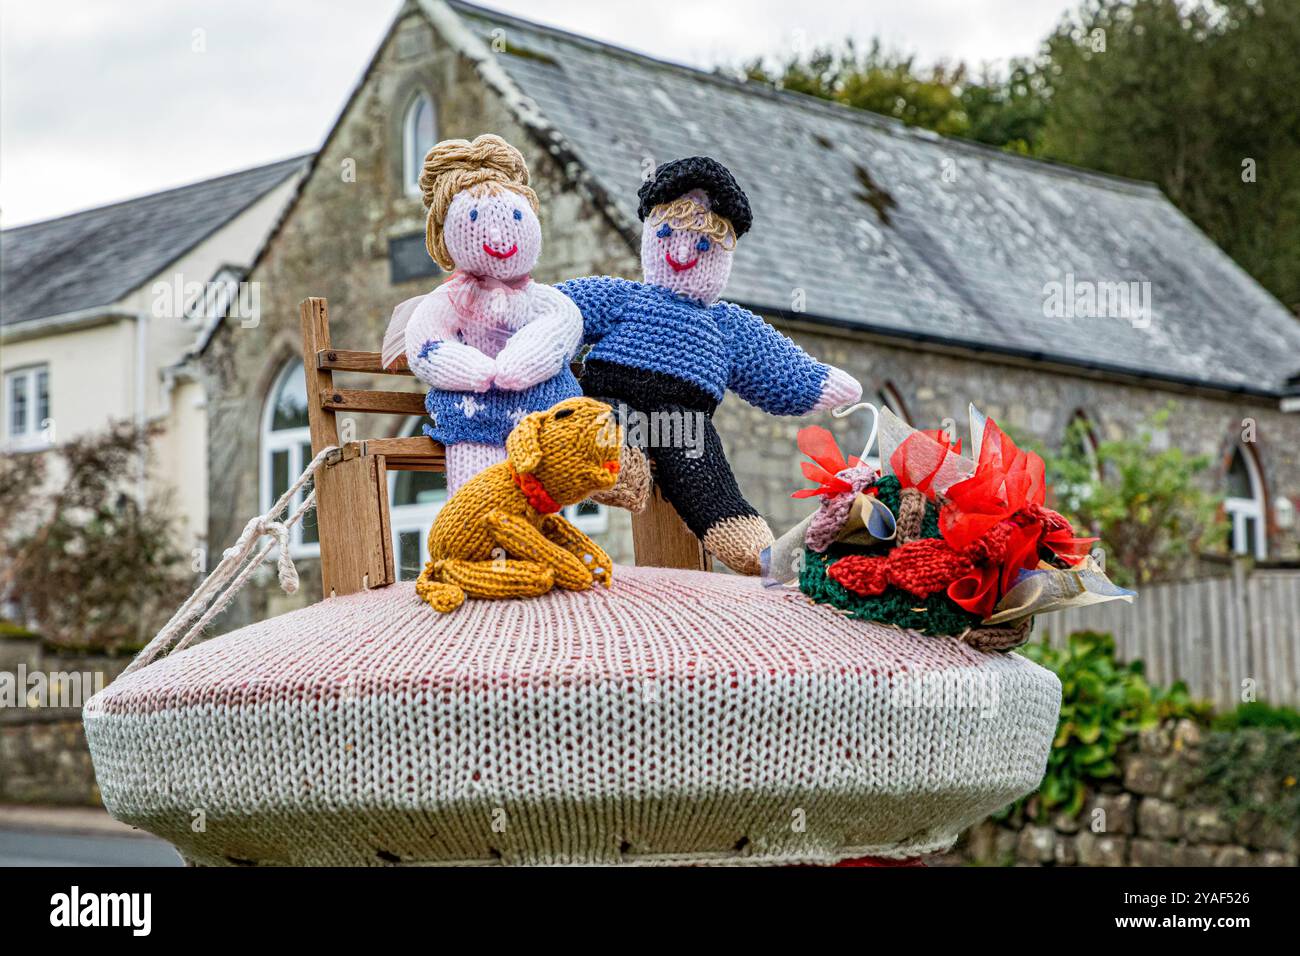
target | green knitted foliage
[
  {"x": 933, "y": 615},
  {"x": 889, "y": 491}
]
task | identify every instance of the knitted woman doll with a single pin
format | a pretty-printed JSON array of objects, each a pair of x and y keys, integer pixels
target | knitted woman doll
[
  {"x": 669, "y": 345},
  {"x": 491, "y": 344}
]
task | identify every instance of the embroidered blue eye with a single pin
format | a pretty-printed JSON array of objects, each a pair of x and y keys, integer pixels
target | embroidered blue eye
[
  {"x": 664, "y": 231},
  {"x": 702, "y": 245},
  {"x": 473, "y": 214},
  {"x": 518, "y": 214}
]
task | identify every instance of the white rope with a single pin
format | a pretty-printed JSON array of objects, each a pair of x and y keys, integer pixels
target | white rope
[{"x": 220, "y": 587}]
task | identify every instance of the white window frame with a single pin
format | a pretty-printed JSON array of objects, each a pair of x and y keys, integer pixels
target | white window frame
[
  {"x": 1241, "y": 510},
  {"x": 597, "y": 523},
  {"x": 290, "y": 440},
  {"x": 408, "y": 518},
  {"x": 34, "y": 434},
  {"x": 411, "y": 163}
]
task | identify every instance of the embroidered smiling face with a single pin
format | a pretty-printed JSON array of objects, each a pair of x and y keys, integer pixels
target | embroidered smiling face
[
  {"x": 687, "y": 249},
  {"x": 492, "y": 232}
]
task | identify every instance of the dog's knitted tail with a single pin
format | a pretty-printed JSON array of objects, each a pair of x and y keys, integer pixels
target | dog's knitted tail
[{"x": 439, "y": 595}]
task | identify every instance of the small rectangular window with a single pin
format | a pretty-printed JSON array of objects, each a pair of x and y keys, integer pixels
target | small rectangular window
[
  {"x": 26, "y": 398},
  {"x": 18, "y": 404},
  {"x": 42, "y": 397},
  {"x": 408, "y": 259}
]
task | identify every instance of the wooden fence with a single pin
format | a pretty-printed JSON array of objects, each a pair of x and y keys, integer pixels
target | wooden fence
[{"x": 1213, "y": 633}]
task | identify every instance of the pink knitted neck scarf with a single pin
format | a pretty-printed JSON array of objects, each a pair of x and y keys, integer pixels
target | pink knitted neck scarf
[{"x": 477, "y": 297}]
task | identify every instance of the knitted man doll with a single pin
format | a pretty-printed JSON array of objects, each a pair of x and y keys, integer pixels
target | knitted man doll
[
  {"x": 491, "y": 344},
  {"x": 670, "y": 345}
]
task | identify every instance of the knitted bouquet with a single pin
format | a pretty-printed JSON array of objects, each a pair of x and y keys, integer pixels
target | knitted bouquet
[{"x": 938, "y": 542}]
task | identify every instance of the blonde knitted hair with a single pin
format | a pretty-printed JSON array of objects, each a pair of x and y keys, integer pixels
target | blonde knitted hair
[
  {"x": 686, "y": 213},
  {"x": 483, "y": 167}
]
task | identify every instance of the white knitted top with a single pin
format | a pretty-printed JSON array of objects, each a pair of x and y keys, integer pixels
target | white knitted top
[{"x": 680, "y": 717}]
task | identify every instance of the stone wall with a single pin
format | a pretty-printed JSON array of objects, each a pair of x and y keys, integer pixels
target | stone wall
[
  {"x": 43, "y": 754},
  {"x": 1157, "y": 816}
]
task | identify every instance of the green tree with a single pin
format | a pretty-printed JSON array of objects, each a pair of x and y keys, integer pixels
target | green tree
[
  {"x": 1145, "y": 505},
  {"x": 1203, "y": 99},
  {"x": 940, "y": 97}
]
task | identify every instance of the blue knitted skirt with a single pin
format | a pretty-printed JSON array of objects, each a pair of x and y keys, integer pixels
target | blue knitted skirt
[{"x": 487, "y": 417}]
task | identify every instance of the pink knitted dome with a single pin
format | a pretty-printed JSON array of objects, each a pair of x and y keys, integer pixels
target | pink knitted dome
[{"x": 680, "y": 717}]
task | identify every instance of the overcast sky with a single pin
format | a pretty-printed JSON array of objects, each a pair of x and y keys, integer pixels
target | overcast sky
[{"x": 103, "y": 100}]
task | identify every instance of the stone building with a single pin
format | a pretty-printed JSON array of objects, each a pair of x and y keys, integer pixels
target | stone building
[{"x": 937, "y": 271}]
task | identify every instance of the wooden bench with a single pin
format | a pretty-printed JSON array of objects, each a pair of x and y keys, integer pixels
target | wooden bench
[{"x": 356, "y": 548}]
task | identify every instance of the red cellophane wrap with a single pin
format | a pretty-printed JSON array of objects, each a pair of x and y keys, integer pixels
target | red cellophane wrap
[
  {"x": 827, "y": 461},
  {"x": 993, "y": 524},
  {"x": 920, "y": 459}
]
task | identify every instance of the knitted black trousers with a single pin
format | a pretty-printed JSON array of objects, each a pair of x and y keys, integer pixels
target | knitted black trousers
[{"x": 672, "y": 421}]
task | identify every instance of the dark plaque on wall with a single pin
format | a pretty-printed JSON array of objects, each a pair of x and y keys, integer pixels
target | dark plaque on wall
[{"x": 408, "y": 259}]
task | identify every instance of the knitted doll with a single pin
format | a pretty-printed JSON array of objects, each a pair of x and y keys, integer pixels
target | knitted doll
[
  {"x": 670, "y": 345},
  {"x": 491, "y": 344}
]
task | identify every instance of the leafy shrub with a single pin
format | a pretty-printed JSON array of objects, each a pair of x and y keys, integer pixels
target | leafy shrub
[
  {"x": 88, "y": 562},
  {"x": 1259, "y": 714},
  {"x": 1146, "y": 506},
  {"x": 1103, "y": 702}
]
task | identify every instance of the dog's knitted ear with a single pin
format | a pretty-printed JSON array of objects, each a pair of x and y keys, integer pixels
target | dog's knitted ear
[{"x": 523, "y": 446}]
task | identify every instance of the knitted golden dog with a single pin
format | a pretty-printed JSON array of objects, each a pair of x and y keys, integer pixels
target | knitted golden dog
[{"x": 501, "y": 535}]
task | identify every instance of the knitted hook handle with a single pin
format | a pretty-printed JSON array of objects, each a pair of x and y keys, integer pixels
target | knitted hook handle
[{"x": 847, "y": 410}]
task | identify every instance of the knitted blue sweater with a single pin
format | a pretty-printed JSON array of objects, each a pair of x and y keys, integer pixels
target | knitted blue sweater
[{"x": 715, "y": 347}]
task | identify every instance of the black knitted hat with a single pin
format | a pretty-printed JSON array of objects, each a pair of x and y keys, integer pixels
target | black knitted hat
[{"x": 675, "y": 179}]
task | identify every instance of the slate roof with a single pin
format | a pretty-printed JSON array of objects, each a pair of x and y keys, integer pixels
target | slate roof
[
  {"x": 855, "y": 209},
  {"x": 92, "y": 259}
]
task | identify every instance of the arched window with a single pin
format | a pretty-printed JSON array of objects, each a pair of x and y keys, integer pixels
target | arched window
[
  {"x": 419, "y": 132},
  {"x": 414, "y": 499},
  {"x": 286, "y": 451},
  {"x": 1079, "y": 465},
  {"x": 1244, "y": 505}
]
